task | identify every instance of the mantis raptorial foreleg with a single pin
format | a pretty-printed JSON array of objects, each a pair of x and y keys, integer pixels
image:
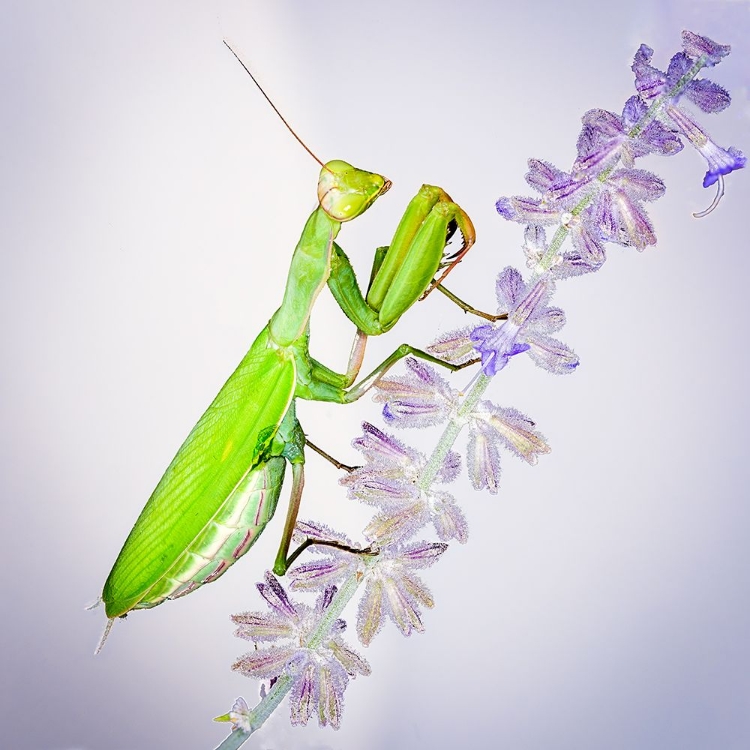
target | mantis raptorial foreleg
[
  {"x": 360, "y": 309},
  {"x": 284, "y": 560}
]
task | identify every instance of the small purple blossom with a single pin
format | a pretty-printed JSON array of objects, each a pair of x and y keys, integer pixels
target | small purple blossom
[
  {"x": 330, "y": 565},
  {"x": 586, "y": 256},
  {"x": 720, "y": 161},
  {"x": 389, "y": 480},
  {"x": 529, "y": 321},
  {"x": 610, "y": 211},
  {"x": 319, "y": 674},
  {"x": 394, "y": 591},
  {"x": 699, "y": 46},
  {"x": 454, "y": 346},
  {"x": 604, "y": 140},
  {"x": 650, "y": 82},
  {"x": 654, "y": 137},
  {"x": 607, "y": 139},
  {"x": 419, "y": 399},
  {"x": 706, "y": 95},
  {"x": 498, "y": 345},
  {"x": 618, "y": 215},
  {"x": 491, "y": 426}
]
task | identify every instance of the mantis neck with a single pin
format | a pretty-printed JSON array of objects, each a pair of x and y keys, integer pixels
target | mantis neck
[{"x": 308, "y": 274}]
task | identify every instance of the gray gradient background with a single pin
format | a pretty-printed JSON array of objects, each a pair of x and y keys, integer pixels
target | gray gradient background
[{"x": 150, "y": 202}]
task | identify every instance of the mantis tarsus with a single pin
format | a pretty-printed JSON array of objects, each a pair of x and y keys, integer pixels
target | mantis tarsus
[{"x": 222, "y": 487}]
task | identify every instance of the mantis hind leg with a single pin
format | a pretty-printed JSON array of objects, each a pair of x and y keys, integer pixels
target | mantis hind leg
[{"x": 284, "y": 560}]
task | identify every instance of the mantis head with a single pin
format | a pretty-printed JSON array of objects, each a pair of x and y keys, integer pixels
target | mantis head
[{"x": 345, "y": 192}]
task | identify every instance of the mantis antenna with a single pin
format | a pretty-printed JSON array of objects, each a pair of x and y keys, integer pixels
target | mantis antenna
[{"x": 268, "y": 99}]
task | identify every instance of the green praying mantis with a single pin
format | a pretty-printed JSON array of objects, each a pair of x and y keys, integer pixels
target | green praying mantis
[{"x": 223, "y": 486}]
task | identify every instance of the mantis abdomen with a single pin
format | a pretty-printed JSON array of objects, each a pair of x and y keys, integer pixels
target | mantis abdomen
[
  {"x": 234, "y": 528},
  {"x": 217, "y": 494}
]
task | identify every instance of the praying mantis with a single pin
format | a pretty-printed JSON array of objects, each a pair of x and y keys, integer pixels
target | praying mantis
[{"x": 223, "y": 485}]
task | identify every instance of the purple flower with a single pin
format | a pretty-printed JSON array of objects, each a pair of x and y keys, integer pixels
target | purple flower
[
  {"x": 653, "y": 138},
  {"x": 529, "y": 321},
  {"x": 498, "y": 345},
  {"x": 697, "y": 46},
  {"x": 706, "y": 95},
  {"x": 390, "y": 481},
  {"x": 588, "y": 253},
  {"x": 393, "y": 590},
  {"x": 454, "y": 346},
  {"x": 606, "y": 139},
  {"x": 612, "y": 211},
  {"x": 560, "y": 192},
  {"x": 588, "y": 246},
  {"x": 617, "y": 214},
  {"x": 319, "y": 674},
  {"x": 330, "y": 565},
  {"x": 419, "y": 399},
  {"x": 491, "y": 426},
  {"x": 720, "y": 161},
  {"x": 650, "y": 82}
]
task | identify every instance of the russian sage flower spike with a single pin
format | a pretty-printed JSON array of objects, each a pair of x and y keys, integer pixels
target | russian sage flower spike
[{"x": 599, "y": 201}]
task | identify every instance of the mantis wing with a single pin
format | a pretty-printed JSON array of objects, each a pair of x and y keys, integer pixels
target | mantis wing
[{"x": 230, "y": 438}]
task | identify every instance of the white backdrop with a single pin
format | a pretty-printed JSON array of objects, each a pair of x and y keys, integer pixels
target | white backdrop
[{"x": 150, "y": 204}]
